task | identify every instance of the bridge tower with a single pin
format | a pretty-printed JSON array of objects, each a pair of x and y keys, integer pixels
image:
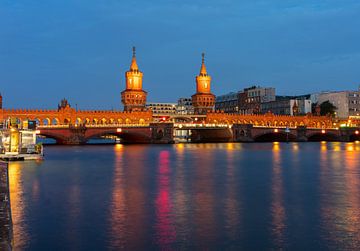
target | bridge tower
[
  {"x": 203, "y": 100},
  {"x": 0, "y": 101},
  {"x": 134, "y": 97}
]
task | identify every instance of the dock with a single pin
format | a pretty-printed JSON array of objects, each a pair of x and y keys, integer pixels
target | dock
[
  {"x": 20, "y": 157},
  {"x": 6, "y": 234}
]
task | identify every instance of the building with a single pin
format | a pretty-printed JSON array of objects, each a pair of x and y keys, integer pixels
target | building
[
  {"x": 203, "y": 100},
  {"x": 288, "y": 105},
  {"x": 252, "y": 98},
  {"x": 133, "y": 97},
  {"x": 184, "y": 106},
  {"x": 247, "y": 101},
  {"x": 162, "y": 108},
  {"x": 228, "y": 103},
  {"x": 347, "y": 103}
]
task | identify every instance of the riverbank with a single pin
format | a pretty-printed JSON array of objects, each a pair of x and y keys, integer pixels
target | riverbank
[{"x": 5, "y": 210}]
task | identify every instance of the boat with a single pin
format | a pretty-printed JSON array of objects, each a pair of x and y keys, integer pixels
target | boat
[{"x": 18, "y": 142}]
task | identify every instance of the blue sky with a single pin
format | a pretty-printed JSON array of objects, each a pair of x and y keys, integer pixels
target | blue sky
[{"x": 80, "y": 49}]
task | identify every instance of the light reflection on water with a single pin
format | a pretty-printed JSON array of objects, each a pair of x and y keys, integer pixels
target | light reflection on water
[{"x": 189, "y": 196}]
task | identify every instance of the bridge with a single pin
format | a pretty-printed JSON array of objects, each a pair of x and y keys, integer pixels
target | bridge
[
  {"x": 136, "y": 124},
  {"x": 70, "y": 126}
]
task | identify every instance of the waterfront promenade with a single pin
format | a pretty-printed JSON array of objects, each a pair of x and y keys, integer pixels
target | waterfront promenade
[{"x": 5, "y": 211}]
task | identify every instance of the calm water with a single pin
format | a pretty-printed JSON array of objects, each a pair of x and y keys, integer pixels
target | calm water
[{"x": 195, "y": 196}]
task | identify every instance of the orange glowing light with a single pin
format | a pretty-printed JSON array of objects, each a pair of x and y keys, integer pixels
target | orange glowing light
[
  {"x": 118, "y": 130},
  {"x": 276, "y": 130},
  {"x": 37, "y": 131},
  {"x": 323, "y": 131},
  {"x": 356, "y": 132}
]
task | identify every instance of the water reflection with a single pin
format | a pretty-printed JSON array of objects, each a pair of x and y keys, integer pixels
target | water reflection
[
  {"x": 277, "y": 205},
  {"x": 189, "y": 196},
  {"x": 232, "y": 202},
  {"x": 164, "y": 209},
  {"x": 20, "y": 227},
  {"x": 182, "y": 203},
  {"x": 340, "y": 187},
  {"x": 118, "y": 209},
  {"x": 203, "y": 198}
]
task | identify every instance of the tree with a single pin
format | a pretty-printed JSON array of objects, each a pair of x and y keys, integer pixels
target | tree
[{"x": 327, "y": 108}]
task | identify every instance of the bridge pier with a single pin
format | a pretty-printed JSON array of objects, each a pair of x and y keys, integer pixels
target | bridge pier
[
  {"x": 242, "y": 133},
  {"x": 349, "y": 134},
  {"x": 162, "y": 133},
  {"x": 76, "y": 136},
  {"x": 301, "y": 134}
]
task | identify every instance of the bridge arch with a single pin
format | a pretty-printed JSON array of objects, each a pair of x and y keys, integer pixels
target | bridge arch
[
  {"x": 37, "y": 121},
  {"x": 355, "y": 137},
  {"x": 67, "y": 121},
  {"x": 55, "y": 121},
  {"x": 78, "y": 121},
  {"x": 272, "y": 136},
  {"x": 125, "y": 135},
  {"x": 57, "y": 137},
  {"x": 46, "y": 121},
  {"x": 320, "y": 136}
]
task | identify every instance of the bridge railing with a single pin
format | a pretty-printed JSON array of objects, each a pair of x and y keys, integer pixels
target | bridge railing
[
  {"x": 199, "y": 125},
  {"x": 117, "y": 125},
  {"x": 92, "y": 126}
]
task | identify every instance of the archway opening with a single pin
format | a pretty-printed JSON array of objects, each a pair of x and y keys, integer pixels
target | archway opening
[
  {"x": 275, "y": 137},
  {"x": 55, "y": 121},
  {"x": 355, "y": 137},
  {"x": 323, "y": 137}
]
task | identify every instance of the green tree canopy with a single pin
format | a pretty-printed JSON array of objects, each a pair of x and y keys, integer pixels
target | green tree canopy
[{"x": 327, "y": 108}]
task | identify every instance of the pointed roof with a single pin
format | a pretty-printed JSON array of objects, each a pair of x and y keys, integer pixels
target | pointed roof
[
  {"x": 203, "y": 67},
  {"x": 134, "y": 65}
]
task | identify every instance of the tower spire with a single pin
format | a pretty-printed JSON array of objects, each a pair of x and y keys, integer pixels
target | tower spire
[
  {"x": 134, "y": 66},
  {"x": 203, "y": 67}
]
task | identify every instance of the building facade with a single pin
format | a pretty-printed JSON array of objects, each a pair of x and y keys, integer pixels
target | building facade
[
  {"x": 288, "y": 105},
  {"x": 253, "y": 97},
  {"x": 247, "y": 101},
  {"x": 184, "y": 106},
  {"x": 133, "y": 97},
  {"x": 162, "y": 108},
  {"x": 347, "y": 103},
  {"x": 228, "y": 103},
  {"x": 203, "y": 100}
]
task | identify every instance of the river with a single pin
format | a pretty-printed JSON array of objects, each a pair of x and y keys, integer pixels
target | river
[{"x": 230, "y": 196}]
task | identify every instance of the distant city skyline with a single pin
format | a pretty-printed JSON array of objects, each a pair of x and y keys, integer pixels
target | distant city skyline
[{"x": 81, "y": 50}]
